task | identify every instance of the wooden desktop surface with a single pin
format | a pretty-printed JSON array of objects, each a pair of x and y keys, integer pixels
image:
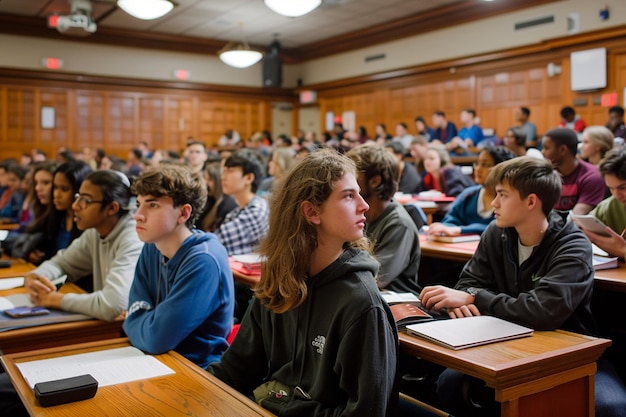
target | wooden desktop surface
[
  {"x": 613, "y": 279},
  {"x": 18, "y": 268},
  {"x": 191, "y": 391},
  {"x": 461, "y": 252},
  {"x": 57, "y": 334},
  {"x": 546, "y": 374},
  {"x": 9, "y": 226}
]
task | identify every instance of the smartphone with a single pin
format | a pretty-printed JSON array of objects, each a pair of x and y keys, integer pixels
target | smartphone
[
  {"x": 5, "y": 263},
  {"x": 18, "y": 312}
]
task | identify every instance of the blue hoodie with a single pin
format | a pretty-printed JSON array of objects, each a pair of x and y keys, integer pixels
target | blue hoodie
[{"x": 184, "y": 303}]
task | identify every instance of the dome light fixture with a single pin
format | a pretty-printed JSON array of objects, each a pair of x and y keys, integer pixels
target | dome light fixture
[
  {"x": 239, "y": 54},
  {"x": 293, "y": 8},
  {"x": 146, "y": 9}
]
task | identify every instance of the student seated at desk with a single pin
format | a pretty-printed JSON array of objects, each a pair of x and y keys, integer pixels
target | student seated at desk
[
  {"x": 583, "y": 187},
  {"x": 388, "y": 225},
  {"x": 410, "y": 181},
  {"x": 471, "y": 211},
  {"x": 532, "y": 268},
  {"x": 107, "y": 250},
  {"x": 317, "y": 328},
  {"x": 11, "y": 212},
  {"x": 243, "y": 228},
  {"x": 182, "y": 294},
  {"x": 612, "y": 210},
  {"x": 55, "y": 229},
  {"x": 441, "y": 174}
]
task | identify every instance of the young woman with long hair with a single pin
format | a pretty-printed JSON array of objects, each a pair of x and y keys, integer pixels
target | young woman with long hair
[
  {"x": 56, "y": 226},
  {"x": 317, "y": 339}
]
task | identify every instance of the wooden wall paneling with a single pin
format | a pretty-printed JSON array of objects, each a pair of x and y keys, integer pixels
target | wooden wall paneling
[
  {"x": 3, "y": 117},
  {"x": 120, "y": 121},
  {"x": 50, "y": 139},
  {"x": 91, "y": 125},
  {"x": 21, "y": 119},
  {"x": 620, "y": 77},
  {"x": 151, "y": 124},
  {"x": 179, "y": 115}
]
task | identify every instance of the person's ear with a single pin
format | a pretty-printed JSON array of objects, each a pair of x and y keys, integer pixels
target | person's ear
[
  {"x": 185, "y": 213},
  {"x": 113, "y": 208},
  {"x": 374, "y": 182},
  {"x": 249, "y": 178},
  {"x": 310, "y": 212},
  {"x": 532, "y": 201}
]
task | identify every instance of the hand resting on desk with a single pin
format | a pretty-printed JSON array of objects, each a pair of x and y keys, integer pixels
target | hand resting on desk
[
  {"x": 441, "y": 229},
  {"x": 458, "y": 303},
  {"x": 42, "y": 292}
]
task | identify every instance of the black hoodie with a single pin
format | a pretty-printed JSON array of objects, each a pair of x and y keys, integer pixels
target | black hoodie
[
  {"x": 550, "y": 290},
  {"x": 339, "y": 346}
]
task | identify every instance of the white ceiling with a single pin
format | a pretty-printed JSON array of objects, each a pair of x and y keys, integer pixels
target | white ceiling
[{"x": 221, "y": 19}]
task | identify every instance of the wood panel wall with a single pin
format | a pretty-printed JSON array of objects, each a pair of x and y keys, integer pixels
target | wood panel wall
[
  {"x": 116, "y": 114},
  {"x": 495, "y": 85},
  {"x": 116, "y": 117}
]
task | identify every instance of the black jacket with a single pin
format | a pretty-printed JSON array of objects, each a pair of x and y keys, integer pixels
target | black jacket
[
  {"x": 339, "y": 346},
  {"x": 551, "y": 290}
]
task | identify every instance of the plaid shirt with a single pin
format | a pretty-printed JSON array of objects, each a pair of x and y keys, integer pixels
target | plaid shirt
[{"x": 243, "y": 229}]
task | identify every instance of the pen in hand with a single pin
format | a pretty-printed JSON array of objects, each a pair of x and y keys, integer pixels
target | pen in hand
[{"x": 623, "y": 234}]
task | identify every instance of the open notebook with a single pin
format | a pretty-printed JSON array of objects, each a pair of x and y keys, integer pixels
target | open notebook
[{"x": 468, "y": 331}]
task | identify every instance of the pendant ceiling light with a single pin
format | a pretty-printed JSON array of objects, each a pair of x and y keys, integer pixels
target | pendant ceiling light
[
  {"x": 293, "y": 8},
  {"x": 146, "y": 9},
  {"x": 239, "y": 54}
]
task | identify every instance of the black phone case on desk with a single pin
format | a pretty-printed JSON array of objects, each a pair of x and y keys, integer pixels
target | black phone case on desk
[{"x": 67, "y": 390}]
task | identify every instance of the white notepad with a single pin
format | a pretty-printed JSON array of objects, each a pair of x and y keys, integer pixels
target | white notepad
[
  {"x": 108, "y": 367},
  {"x": 468, "y": 331}
]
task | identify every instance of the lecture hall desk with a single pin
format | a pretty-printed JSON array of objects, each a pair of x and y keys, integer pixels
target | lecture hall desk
[
  {"x": 18, "y": 268},
  {"x": 56, "y": 334},
  {"x": 191, "y": 391},
  {"x": 613, "y": 279},
  {"x": 547, "y": 374}
]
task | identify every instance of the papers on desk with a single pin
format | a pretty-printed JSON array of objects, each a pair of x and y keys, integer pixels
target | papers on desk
[
  {"x": 468, "y": 331},
  {"x": 392, "y": 297},
  {"x": 601, "y": 262},
  {"x": 10, "y": 283},
  {"x": 472, "y": 237},
  {"x": 249, "y": 264},
  {"x": 108, "y": 367}
]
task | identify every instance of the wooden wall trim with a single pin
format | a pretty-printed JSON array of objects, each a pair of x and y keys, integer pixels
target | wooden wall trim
[
  {"x": 72, "y": 80},
  {"x": 439, "y": 18},
  {"x": 556, "y": 48}
]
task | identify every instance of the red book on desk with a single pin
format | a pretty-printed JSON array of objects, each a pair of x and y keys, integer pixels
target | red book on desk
[{"x": 243, "y": 268}]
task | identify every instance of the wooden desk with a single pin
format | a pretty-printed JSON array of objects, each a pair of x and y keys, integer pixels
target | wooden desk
[
  {"x": 461, "y": 252},
  {"x": 191, "y": 391},
  {"x": 9, "y": 226},
  {"x": 546, "y": 374},
  {"x": 611, "y": 279},
  {"x": 57, "y": 334},
  {"x": 18, "y": 268}
]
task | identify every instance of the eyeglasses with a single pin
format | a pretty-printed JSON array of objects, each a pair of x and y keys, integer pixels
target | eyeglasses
[{"x": 83, "y": 202}]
